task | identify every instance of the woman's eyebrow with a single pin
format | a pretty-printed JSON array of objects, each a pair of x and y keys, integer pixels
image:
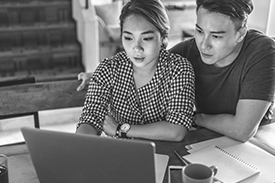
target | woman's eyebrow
[
  {"x": 148, "y": 32},
  {"x": 145, "y": 32}
]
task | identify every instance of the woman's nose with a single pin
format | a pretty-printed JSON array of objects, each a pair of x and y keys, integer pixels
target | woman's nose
[{"x": 138, "y": 46}]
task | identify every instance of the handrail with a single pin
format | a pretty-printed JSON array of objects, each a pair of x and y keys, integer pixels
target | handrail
[
  {"x": 88, "y": 35},
  {"x": 87, "y": 4},
  {"x": 87, "y": 32}
]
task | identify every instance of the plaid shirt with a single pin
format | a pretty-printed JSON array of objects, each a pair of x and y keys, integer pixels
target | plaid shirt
[{"x": 169, "y": 96}]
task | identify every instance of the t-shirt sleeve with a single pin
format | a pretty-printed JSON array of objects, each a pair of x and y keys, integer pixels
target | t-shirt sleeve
[{"x": 259, "y": 77}]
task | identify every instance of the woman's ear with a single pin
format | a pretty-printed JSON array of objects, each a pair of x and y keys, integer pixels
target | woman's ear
[{"x": 164, "y": 42}]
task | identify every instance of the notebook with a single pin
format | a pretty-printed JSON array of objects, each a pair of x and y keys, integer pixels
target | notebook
[
  {"x": 68, "y": 157},
  {"x": 231, "y": 168}
]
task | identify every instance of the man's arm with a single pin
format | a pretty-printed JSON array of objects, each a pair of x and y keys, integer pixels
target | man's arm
[{"x": 241, "y": 126}]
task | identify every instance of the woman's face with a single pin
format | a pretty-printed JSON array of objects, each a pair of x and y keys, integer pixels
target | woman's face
[{"x": 141, "y": 41}]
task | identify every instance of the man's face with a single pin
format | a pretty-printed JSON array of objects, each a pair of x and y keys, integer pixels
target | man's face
[{"x": 216, "y": 38}]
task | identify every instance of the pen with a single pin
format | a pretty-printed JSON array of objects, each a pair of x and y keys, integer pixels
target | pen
[{"x": 187, "y": 162}]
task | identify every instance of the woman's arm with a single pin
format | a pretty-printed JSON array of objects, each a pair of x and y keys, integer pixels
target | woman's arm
[
  {"x": 86, "y": 129},
  {"x": 156, "y": 131},
  {"x": 96, "y": 99}
]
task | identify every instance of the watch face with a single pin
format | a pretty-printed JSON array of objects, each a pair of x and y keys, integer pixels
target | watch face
[{"x": 125, "y": 127}]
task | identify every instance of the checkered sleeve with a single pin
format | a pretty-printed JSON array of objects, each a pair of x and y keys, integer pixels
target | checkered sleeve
[
  {"x": 97, "y": 97},
  {"x": 182, "y": 94}
]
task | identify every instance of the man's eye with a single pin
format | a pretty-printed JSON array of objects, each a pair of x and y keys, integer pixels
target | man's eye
[
  {"x": 217, "y": 37},
  {"x": 199, "y": 31}
]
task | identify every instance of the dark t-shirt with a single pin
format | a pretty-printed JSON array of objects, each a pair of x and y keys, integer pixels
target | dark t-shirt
[{"x": 250, "y": 76}]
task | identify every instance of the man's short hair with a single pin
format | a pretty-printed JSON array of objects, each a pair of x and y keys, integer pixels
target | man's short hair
[{"x": 237, "y": 10}]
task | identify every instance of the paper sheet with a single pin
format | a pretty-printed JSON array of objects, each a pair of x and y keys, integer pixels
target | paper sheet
[{"x": 249, "y": 152}]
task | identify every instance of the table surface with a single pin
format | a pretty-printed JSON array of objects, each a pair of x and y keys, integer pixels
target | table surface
[{"x": 22, "y": 170}]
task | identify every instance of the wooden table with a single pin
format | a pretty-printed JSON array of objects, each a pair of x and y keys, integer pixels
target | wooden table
[{"x": 21, "y": 168}]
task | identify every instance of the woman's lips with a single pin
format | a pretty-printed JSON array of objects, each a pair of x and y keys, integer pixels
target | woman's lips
[{"x": 139, "y": 59}]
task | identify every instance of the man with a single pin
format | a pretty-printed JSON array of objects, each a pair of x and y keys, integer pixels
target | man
[{"x": 234, "y": 69}]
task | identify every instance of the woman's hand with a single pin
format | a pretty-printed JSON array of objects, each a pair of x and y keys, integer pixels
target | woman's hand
[
  {"x": 110, "y": 125},
  {"x": 85, "y": 77}
]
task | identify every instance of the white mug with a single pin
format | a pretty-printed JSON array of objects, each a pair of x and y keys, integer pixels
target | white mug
[{"x": 198, "y": 173}]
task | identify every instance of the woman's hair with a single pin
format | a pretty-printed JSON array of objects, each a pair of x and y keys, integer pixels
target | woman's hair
[
  {"x": 152, "y": 10},
  {"x": 237, "y": 10}
]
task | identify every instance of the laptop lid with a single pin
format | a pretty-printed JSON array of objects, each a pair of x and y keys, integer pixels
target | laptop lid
[{"x": 68, "y": 157}]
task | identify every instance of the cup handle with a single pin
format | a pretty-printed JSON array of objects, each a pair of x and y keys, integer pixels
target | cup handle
[{"x": 214, "y": 169}]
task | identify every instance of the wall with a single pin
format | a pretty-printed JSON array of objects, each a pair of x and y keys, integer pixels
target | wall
[
  {"x": 271, "y": 21},
  {"x": 263, "y": 16}
]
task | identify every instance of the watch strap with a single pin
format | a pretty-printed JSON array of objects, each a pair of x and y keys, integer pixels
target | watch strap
[
  {"x": 118, "y": 134},
  {"x": 123, "y": 135}
]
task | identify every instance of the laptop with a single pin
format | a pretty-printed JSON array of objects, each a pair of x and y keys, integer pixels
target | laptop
[{"x": 61, "y": 157}]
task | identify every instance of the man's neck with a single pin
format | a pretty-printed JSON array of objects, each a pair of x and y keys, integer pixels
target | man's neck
[{"x": 232, "y": 57}]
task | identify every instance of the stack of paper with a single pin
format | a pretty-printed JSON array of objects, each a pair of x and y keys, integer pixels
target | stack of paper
[
  {"x": 230, "y": 167},
  {"x": 248, "y": 154}
]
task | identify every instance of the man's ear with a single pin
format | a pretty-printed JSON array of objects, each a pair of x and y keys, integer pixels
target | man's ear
[{"x": 241, "y": 34}]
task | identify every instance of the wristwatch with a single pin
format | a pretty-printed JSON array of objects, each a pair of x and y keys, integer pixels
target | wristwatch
[{"x": 124, "y": 128}]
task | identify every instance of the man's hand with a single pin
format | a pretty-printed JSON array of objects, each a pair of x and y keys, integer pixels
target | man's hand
[
  {"x": 110, "y": 125},
  {"x": 85, "y": 77}
]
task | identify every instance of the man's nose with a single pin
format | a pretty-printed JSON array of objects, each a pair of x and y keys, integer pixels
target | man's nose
[{"x": 205, "y": 44}]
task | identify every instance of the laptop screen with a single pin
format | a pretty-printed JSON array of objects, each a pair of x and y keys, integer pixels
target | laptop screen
[{"x": 68, "y": 157}]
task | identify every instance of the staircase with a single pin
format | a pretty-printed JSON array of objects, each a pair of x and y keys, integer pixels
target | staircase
[{"x": 38, "y": 38}]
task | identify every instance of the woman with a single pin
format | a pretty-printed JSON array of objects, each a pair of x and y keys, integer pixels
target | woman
[{"x": 144, "y": 91}]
